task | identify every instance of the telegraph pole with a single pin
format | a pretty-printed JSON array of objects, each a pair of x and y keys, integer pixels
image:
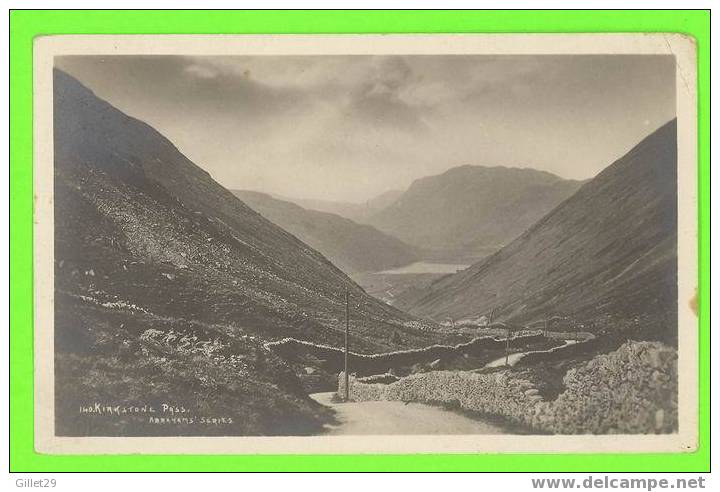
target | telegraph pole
[
  {"x": 347, "y": 337},
  {"x": 507, "y": 347}
]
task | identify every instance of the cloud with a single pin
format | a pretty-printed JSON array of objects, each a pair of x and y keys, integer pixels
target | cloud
[
  {"x": 350, "y": 127},
  {"x": 378, "y": 98},
  {"x": 180, "y": 83}
]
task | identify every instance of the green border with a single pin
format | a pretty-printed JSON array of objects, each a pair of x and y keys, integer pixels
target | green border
[{"x": 26, "y": 24}]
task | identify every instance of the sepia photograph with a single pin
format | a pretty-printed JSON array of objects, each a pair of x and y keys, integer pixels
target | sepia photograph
[{"x": 365, "y": 243}]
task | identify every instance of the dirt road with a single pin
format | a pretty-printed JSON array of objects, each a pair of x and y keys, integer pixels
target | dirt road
[{"x": 394, "y": 417}]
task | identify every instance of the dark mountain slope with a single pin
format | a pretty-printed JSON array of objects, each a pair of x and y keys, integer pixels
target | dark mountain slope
[
  {"x": 472, "y": 209},
  {"x": 166, "y": 285},
  {"x": 154, "y": 210},
  {"x": 350, "y": 246},
  {"x": 609, "y": 250}
]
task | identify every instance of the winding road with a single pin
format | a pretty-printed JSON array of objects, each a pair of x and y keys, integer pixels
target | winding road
[{"x": 395, "y": 417}]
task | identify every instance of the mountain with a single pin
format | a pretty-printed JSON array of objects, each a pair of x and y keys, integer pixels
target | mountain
[
  {"x": 472, "y": 209},
  {"x": 352, "y": 247},
  {"x": 358, "y": 212},
  {"x": 167, "y": 285},
  {"x": 609, "y": 251}
]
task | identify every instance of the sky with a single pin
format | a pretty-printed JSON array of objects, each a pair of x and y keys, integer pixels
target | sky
[{"x": 348, "y": 128}]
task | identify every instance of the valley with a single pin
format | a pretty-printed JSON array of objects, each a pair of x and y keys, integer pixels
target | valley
[
  {"x": 500, "y": 291},
  {"x": 389, "y": 285}
]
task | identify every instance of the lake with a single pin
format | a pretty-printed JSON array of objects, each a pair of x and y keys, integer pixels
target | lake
[{"x": 426, "y": 267}]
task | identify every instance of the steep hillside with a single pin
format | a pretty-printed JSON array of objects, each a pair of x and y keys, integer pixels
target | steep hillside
[
  {"x": 166, "y": 285},
  {"x": 472, "y": 209},
  {"x": 129, "y": 203},
  {"x": 350, "y": 246},
  {"x": 608, "y": 252}
]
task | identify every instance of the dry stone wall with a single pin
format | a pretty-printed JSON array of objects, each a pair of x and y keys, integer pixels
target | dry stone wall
[
  {"x": 631, "y": 390},
  {"x": 371, "y": 364}
]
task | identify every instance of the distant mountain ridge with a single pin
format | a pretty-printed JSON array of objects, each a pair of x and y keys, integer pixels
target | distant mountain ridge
[
  {"x": 352, "y": 247},
  {"x": 358, "y": 212},
  {"x": 472, "y": 209},
  {"x": 609, "y": 250}
]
